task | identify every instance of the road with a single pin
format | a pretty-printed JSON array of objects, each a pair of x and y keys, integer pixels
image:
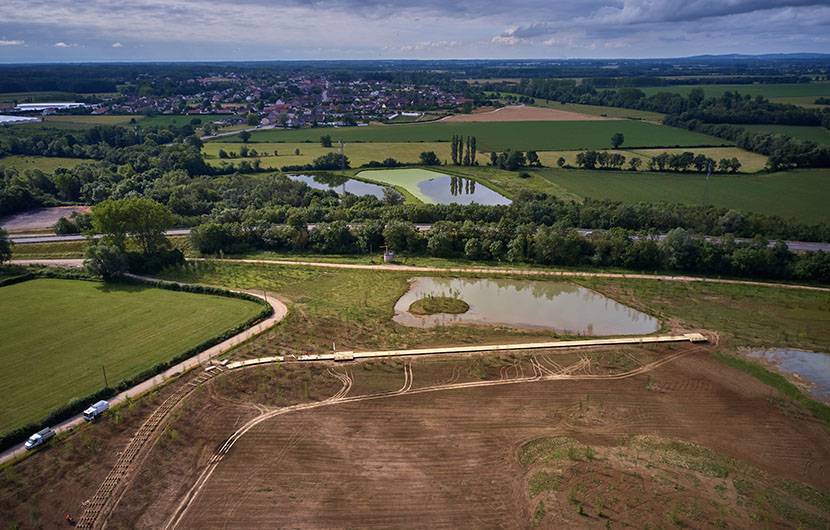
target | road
[
  {"x": 280, "y": 311},
  {"x": 795, "y": 246}
]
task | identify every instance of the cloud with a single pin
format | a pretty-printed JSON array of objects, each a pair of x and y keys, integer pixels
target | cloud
[
  {"x": 506, "y": 39},
  {"x": 117, "y": 45},
  {"x": 426, "y": 45},
  {"x": 12, "y": 42},
  {"x": 645, "y": 11},
  {"x": 63, "y": 45}
]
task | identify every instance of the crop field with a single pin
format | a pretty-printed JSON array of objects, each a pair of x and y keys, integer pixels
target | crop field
[
  {"x": 783, "y": 90},
  {"x": 819, "y": 135},
  {"x": 799, "y": 194},
  {"x": 47, "y": 164},
  {"x": 58, "y": 333},
  {"x": 538, "y": 135},
  {"x": 357, "y": 153},
  {"x": 86, "y": 120},
  {"x": 178, "y": 119},
  {"x": 750, "y": 162},
  {"x": 51, "y": 97},
  {"x": 522, "y": 113},
  {"x": 597, "y": 110}
]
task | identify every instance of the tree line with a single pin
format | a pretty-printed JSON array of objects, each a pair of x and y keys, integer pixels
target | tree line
[
  {"x": 686, "y": 161},
  {"x": 523, "y": 243}
]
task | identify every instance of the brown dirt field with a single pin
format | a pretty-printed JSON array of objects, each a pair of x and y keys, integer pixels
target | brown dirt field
[
  {"x": 52, "y": 483},
  {"x": 453, "y": 458},
  {"x": 523, "y": 113}
]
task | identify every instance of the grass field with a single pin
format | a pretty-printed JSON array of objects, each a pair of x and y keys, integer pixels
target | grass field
[
  {"x": 178, "y": 119},
  {"x": 47, "y": 164},
  {"x": 58, "y": 333},
  {"x": 783, "y": 90},
  {"x": 799, "y": 194},
  {"x": 819, "y": 135},
  {"x": 540, "y": 136},
  {"x": 86, "y": 120},
  {"x": 50, "y": 97},
  {"x": 357, "y": 153},
  {"x": 750, "y": 162}
]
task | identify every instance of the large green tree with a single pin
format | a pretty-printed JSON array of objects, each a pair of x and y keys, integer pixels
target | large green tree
[
  {"x": 5, "y": 246},
  {"x": 143, "y": 218}
]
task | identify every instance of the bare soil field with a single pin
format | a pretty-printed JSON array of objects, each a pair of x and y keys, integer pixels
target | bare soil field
[
  {"x": 39, "y": 218},
  {"x": 661, "y": 436},
  {"x": 522, "y": 113}
]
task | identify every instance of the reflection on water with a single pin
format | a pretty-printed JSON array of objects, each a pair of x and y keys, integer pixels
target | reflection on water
[
  {"x": 810, "y": 366},
  {"x": 445, "y": 189},
  {"x": 562, "y": 307},
  {"x": 340, "y": 184}
]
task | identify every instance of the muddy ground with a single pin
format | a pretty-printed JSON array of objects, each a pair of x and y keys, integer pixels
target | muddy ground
[{"x": 468, "y": 457}]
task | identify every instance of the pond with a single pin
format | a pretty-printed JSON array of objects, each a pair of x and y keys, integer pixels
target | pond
[
  {"x": 436, "y": 188},
  {"x": 340, "y": 184},
  {"x": 564, "y": 308},
  {"x": 810, "y": 366}
]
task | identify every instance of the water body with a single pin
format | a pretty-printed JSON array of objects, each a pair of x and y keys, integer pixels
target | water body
[
  {"x": 811, "y": 366},
  {"x": 562, "y": 307},
  {"x": 340, "y": 184},
  {"x": 445, "y": 189},
  {"x": 6, "y": 120}
]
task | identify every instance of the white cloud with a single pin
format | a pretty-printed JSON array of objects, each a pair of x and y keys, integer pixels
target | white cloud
[
  {"x": 509, "y": 40},
  {"x": 63, "y": 45},
  {"x": 12, "y": 42},
  {"x": 426, "y": 45},
  {"x": 117, "y": 45}
]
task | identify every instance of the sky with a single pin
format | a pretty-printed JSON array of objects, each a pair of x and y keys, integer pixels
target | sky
[{"x": 211, "y": 30}]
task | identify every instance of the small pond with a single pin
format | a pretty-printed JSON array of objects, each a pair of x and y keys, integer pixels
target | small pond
[
  {"x": 432, "y": 187},
  {"x": 562, "y": 307},
  {"x": 340, "y": 184},
  {"x": 811, "y": 366},
  {"x": 445, "y": 189}
]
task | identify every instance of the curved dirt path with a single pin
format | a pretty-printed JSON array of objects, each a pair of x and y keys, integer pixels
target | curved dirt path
[
  {"x": 280, "y": 310},
  {"x": 76, "y": 263}
]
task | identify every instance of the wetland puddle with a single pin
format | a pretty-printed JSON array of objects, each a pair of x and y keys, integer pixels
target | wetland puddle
[
  {"x": 562, "y": 307},
  {"x": 810, "y": 366},
  {"x": 340, "y": 185}
]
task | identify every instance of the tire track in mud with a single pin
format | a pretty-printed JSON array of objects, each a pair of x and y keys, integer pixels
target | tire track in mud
[{"x": 570, "y": 373}]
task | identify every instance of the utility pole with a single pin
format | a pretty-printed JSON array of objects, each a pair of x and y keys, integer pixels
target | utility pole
[
  {"x": 106, "y": 385},
  {"x": 706, "y": 189}
]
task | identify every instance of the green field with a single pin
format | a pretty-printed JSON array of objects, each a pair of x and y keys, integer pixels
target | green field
[
  {"x": 407, "y": 179},
  {"x": 51, "y": 97},
  {"x": 800, "y": 194},
  {"x": 47, "y": 164},
  {"x": 85, "y": 120},
  {"x": 820, "y": 135},
  {"x": 178, "y": 119},
  {"x": 538, "y": 135},
  {"x": 783, "y": 90},
  {"x": 58, "y": 333},
  {"x": 357, "y": 153}
]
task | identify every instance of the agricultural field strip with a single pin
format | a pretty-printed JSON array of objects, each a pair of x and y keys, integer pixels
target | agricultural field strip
[
  {"x": 347, "y": 356},
  {"x": 540, "y": 373}
]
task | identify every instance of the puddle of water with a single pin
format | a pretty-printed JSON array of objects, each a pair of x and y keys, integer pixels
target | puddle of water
[
  {"x": 811, "y": 366},
  {"x": 340, "y": 184},
  {"x": 445, "y": 189},
  {"x": 562, "y": 307}
]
